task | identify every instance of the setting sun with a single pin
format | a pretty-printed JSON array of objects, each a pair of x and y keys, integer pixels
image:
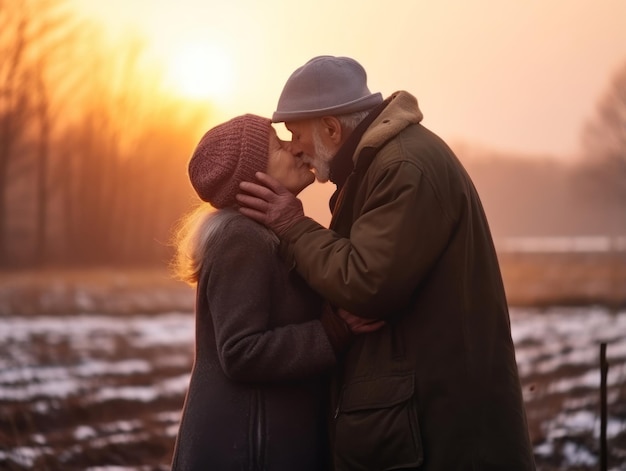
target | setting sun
[{"x": 200, "y": 71}]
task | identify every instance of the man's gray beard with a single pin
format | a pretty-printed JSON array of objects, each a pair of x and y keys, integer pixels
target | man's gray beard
[{"x": 321, "y": 160}]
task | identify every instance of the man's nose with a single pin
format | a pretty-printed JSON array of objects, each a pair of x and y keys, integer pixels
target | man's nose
[{"x": 295, "y": 149}]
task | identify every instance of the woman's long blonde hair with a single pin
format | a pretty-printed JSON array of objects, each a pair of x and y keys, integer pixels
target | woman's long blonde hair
[{"x": 193, "y": 235}]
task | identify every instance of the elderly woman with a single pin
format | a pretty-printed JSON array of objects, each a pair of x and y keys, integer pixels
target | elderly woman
[{"x": 264, "y": 339}]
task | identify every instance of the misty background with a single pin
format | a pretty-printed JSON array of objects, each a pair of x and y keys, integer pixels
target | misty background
[{"x": 93, "y": 156}]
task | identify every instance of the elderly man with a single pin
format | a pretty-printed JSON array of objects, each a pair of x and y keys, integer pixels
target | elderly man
[{"x": 437, "y": 388}]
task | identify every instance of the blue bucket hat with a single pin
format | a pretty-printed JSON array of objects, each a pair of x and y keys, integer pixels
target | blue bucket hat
[{"x": 325, "y": 85}]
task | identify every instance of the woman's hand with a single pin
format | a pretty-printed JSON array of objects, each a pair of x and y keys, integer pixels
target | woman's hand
[{"x": 359, "y": 325}]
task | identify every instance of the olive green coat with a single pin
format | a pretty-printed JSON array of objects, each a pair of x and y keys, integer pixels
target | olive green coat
[{"x": 438, "y": 387}]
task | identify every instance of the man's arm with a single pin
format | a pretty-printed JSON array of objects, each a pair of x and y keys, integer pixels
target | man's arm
[{"x": 394, "y": 241}]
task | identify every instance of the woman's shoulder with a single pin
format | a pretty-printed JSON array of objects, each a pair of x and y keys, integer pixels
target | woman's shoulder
[{"x": 234, "y": 226}]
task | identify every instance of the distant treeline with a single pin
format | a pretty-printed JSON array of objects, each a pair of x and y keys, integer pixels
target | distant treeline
[
  {"x": 547, "y": 197},
  {"x": 93, "y": 153},
  {"x": 584, "y": 194}
]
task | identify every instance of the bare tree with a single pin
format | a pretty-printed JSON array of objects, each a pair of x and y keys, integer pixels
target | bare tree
[
  {"x": 124, "y": 175},
  {"x": 92, "y": 152},
  {"x": 13, "y": 100},
  {"x": 53, "y": 32},
  {"x": 34, "y": 36},
  {"x": 604, "y": 142}
]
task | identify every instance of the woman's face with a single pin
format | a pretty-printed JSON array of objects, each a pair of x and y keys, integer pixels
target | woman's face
[{"x": 291, "y": 171}]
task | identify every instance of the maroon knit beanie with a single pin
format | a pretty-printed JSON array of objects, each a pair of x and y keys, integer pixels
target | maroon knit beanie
[{"x": 228, "y": 154}]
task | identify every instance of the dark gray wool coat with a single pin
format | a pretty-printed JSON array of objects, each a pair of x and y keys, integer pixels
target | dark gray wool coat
[{"x": 256, "y": 394}]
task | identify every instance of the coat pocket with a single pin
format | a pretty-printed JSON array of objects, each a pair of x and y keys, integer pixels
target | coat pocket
[{"x": 376, "y": 426}]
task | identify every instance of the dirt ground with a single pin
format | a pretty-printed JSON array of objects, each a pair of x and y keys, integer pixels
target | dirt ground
[
  {"x": 530, "y": 279},
  {"x": 94, "y": 363},
  {"x": 566, "y": 279}
]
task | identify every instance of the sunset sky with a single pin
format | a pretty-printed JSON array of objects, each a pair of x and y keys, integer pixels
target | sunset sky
[{"x": 511, "y": 75}]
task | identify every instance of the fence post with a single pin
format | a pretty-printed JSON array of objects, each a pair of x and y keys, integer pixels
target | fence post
[{"x": 604, "y": 368}]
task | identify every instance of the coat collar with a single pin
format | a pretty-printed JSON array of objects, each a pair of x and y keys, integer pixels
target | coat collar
[
  {"x": 384, "y": 122},
  {"x": 342, "y": 164},
  {"x": 401, "y": 112}
]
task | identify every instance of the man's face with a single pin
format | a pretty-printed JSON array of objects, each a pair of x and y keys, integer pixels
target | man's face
[{"x": 307, "y": 140}]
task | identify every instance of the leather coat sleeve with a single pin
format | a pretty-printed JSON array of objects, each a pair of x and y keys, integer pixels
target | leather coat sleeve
[
  {"x": 241, "y": 298},
  {"x": 396, "y": 237}
]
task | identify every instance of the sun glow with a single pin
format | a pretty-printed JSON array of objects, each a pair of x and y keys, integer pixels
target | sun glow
[{"x": 200, "y": 71}]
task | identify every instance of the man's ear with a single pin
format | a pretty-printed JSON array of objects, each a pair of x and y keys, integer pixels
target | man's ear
[{"x": 332, "y": 129}]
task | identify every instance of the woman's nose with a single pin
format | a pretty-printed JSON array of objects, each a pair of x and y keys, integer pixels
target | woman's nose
[{"x": 287, "y": 145}]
